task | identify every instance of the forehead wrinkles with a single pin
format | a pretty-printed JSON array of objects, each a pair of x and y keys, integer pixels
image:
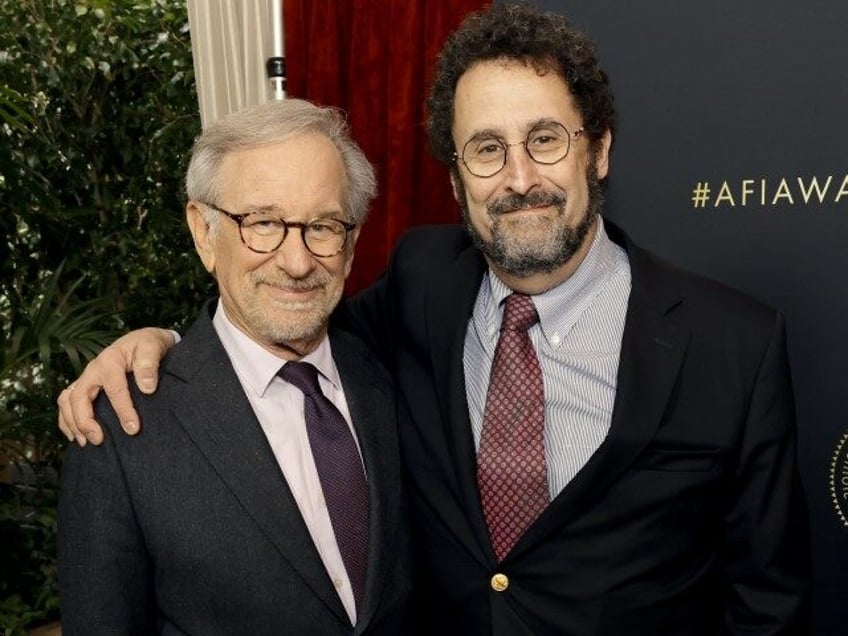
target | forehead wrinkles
[
  {"x": 312, "y": 187},
  {"x": 497, "y": 91}
]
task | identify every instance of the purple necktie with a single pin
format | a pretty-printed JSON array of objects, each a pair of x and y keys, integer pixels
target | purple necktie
[
  {"x": 511, "y": 469},
  {"x": 339, "y": 470}
]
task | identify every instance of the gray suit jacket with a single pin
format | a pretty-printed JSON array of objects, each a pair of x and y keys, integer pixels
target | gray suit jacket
[{"x": 191, "y": 527}]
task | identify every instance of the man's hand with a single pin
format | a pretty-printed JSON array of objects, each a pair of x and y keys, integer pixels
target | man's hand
[{"x": 138, "y": 351}]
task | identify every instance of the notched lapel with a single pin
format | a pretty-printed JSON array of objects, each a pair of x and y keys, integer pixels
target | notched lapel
[
  {"x": 370, "y": 400},
  {"x": 218, "y": 418},
  {"x": 449, "y": 304},
  {"x": 652, "y": 351}
]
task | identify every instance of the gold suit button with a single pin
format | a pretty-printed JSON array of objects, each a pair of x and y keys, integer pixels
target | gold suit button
[{"x": 500, "y": 582}]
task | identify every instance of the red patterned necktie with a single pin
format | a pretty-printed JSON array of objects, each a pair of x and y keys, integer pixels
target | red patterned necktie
[
  {"x": 339, "y": 470},
  {"x": 511, "y": 469}
]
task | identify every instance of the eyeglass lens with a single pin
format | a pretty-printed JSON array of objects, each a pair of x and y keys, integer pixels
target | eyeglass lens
[{"x": 486, "y": 156}]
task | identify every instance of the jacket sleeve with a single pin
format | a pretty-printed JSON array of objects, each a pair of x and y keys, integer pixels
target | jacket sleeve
[
  {"x": 105, "y": 576},
  {"x": 767, "y": 558}
]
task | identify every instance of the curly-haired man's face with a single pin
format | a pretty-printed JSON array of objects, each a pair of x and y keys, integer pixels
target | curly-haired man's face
[{"x": 533, "y": 222}]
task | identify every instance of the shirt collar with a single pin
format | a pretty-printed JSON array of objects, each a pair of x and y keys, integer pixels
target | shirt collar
[
  {"x": 560, "y": 308},
  {"x": 256, "y": 366}
]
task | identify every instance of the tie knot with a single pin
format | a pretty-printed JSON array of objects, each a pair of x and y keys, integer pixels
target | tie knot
[
  {"x": 302, "y": 375},
  {"x": 519, "y": 314}
]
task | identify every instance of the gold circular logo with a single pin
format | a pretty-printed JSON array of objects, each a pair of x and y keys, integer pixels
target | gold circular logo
[{"x": 839, "y": 479}]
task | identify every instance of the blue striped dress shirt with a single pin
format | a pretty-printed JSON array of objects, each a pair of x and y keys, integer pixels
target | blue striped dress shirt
[{"x": 578, "y": 342}]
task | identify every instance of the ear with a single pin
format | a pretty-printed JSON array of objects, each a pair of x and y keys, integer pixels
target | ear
[
  {"x": 456, "y": 185},
  {"x": 354, "y": 237},
  {"x": 602, "y": 156},
  {"x": 204, "y": 242}
]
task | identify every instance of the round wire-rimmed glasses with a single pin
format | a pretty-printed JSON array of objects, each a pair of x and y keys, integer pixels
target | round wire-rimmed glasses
[
  {"x": 264, "y": 233},
  {"x": 485, "y": 155}
]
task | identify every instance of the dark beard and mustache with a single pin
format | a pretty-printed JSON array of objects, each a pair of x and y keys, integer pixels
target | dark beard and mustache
[{"x": 507, "y": 253}]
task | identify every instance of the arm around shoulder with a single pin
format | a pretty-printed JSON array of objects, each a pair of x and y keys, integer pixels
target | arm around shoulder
[{"x": 139, "y": 352}]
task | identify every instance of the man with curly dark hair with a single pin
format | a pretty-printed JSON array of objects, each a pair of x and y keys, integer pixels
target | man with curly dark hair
[
  {"x": 595, "y": 441},
  {"x": 544, "y": 41},
  {"x": 516, "y": 37}
]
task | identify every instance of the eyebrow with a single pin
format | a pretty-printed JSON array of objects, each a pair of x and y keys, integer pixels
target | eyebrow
[
  {"x": 278, "y": 211},
  {"x": 269, "y": 208},
  {"x": 489, "y": 133},
  {"x": 486, "y": 133},
  {"x": 544, "y": 122}
]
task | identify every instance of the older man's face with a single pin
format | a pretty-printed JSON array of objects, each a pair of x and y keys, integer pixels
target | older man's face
[
  {"x": 283, "y": 299},
  {"x": 530, "y": 219}
]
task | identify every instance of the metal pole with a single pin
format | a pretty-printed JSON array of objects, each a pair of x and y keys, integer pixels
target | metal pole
[{"x": 275, "y": 66}]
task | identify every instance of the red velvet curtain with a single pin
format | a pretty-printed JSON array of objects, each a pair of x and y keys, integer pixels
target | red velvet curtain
[{"x": 374, "y": 59}]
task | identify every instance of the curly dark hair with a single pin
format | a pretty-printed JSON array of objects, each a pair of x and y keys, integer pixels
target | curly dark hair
[{"x": 547, "y": 41}]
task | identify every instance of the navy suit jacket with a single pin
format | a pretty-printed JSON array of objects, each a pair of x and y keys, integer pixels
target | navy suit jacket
[
  {"x": 190, "y": 528},
  {"x": 688, "y": 520}
]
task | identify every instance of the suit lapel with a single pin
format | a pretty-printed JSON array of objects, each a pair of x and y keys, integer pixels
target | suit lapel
[
  {"x": 450, "y": 302},
  {"x": 370, "y": 399},
  {"x": 652, "y": 350},
  {"x": 218, "y": 418}
]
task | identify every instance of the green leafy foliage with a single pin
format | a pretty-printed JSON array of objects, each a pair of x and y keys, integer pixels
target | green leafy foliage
[{"x": 97, "y": 114}]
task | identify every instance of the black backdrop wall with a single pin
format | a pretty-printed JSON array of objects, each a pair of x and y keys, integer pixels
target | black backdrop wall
[{"x": 731, "y": 161}]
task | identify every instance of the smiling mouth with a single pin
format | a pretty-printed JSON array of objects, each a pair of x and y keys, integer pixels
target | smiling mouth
[
  {"x": 532, "y": 203},
  {"x": 525, "y": 209},
  {"x": 292, "y": 293}
]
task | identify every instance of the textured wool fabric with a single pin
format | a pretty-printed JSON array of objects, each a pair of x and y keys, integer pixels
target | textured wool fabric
[{"x": 511, "y": 469}]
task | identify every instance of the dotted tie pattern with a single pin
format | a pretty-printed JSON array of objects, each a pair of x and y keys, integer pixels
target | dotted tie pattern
[
  {"x": 339, "y": 470},
  {"x": 511, "y": 468}
]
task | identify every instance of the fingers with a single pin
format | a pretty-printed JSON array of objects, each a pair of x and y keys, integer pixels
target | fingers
[
  {"x": 146, "y": 356},
  {"x": 109, "y": 371},
  {"x": 81, "y": 396},
  {"x": 76, "y": 411},
  {"x": 138, "y": 351},
  {"x": 67, "y": 423},
  {"x": 76, "y": 414},
  {"x": 118, "y": 391}
]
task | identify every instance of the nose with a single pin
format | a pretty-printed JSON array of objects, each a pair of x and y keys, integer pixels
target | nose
[
  {"x": 521, "y": 172},
  {"x": 292, "y": 256}
]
